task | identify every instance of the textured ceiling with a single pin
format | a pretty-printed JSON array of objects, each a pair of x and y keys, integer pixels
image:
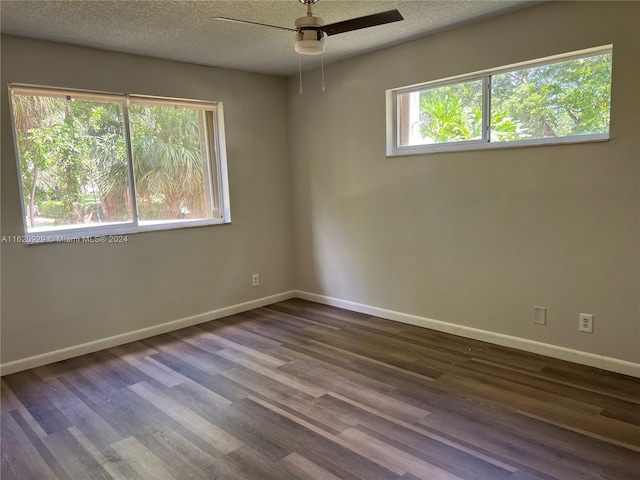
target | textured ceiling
[{"x": 186, "y": 31}]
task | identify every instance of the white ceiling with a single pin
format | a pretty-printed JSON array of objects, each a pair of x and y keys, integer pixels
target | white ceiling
[{"x": 186, "y": 31}]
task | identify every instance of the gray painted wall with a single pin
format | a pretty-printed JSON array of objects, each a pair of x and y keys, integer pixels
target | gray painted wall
[
  {"x": 60, "y": 295},
  {"x": 475, "y": 238}
]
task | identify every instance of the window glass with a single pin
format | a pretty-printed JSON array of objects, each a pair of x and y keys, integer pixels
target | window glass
[
  {"x": 556, "y": 100},
  {"x": 451, "y": 113},
  {"x": 73, "y": 161},
  {"x": 169, "y": 162}
]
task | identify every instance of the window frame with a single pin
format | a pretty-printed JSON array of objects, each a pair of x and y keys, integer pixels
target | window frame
[
  {"x": 393, "y": 134},
  {"x": 216, "y": 170}
]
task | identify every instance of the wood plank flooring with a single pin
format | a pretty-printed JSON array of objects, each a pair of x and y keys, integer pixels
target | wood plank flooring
[{"x": 303, "y": 391}]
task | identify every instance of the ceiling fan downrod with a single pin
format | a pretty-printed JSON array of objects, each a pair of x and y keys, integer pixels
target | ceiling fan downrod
[{"x": 308, "y": 3}]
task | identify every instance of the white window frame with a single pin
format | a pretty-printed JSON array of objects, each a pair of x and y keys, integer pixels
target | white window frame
[
  {"x": 394, "y": 149},
  {"x": 216, "y": 153}
]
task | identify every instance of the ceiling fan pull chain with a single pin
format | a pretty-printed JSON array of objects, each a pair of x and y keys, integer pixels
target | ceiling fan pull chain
[
  {"x": 322, "y": 57},
  {"x": 300, "y": 70}
]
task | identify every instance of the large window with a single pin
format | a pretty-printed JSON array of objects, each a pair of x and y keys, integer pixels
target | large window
[
  {"x": 559, "y": 99},
  {"x": 95, "y": 163}
]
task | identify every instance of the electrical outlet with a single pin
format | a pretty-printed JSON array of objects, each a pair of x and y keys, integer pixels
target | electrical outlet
[
  {"x": 586, "y": 322},
  {"x": 255, "y": 279},
  {"x": 540, "y": 315}
]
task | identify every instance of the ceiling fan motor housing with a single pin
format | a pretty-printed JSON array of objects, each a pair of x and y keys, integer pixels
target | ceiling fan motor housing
[{"x": 309, "y": 38}]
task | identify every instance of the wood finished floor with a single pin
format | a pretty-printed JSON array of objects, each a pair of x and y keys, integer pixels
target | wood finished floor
[{"x": 298, "y": 390}]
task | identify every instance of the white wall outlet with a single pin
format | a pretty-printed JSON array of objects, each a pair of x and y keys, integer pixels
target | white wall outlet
[
  {"x": 586, "y": 322},
  {"x": 255, "y": 280},
  {"x": 540, "y": 315}
]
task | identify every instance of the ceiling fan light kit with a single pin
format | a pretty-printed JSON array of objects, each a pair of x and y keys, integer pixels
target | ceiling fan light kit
[{"x": 309, "y": 37}]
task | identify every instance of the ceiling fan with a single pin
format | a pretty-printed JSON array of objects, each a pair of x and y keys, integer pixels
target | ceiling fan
[{"x": 310, "y": 31}]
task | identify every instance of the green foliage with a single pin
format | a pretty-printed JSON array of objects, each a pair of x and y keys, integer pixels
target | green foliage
[
  {"x": 167, "y": 159},
  {"x": 452, "y": 113},
  {"x": 561, "y": 99},
  {"x": 51, "y": 209},
  {"x": 503, "y": 128}
]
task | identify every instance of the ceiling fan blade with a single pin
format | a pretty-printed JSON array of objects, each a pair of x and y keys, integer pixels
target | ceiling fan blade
[
  {"x": 363, "y": 22},
  {"x": 235, "y": 20}
]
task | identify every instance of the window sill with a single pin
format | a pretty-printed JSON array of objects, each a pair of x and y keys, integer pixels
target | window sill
[
  {"x": 477, "y": 145},
  {"x": 114, "y": 233}
]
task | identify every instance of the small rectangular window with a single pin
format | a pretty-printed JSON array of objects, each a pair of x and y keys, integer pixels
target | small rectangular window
[
  {"x": 93, "y": 163},
  {"x": 560, "y": 99}
]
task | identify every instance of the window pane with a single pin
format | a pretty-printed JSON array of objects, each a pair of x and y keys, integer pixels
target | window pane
[
  {"x": 170, "y": 165},
  {"x": 557, "y": 100},
  {"x": 451, "y": 113},
  {"x": 73, "y": 162}
]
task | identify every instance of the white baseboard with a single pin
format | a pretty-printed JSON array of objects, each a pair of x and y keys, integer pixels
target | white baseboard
[
  {"x": 554, "y": 351},
  {"x": 101, "y": 344}
]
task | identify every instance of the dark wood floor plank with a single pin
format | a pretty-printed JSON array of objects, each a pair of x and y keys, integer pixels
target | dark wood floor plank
[
  {"x": 625, "y": 414},
  {"x": 311, "y": 412},
  {"x": 301, "y": 391},
  {"x": 305, "y": 469},
  {"x": 434, "y": 449},
  {"x": 279, "y": 376},
  {"x": 181, "y": 414},
  {"x": 329, "y": 309},
  {"x": 306, "y": 316},
  {"x": 241, "y": 331},
  {"x": 269, "y": 316},
  {"x": 541, "y": 449},
  {"x": 206, "y": 338},
  {"x": 186, "y": 352},
  {"x": 19, "y": 457},
  {"x": 74, "y": 459},
  {"x": 187, "y": 460},
  {"x": 452, "y": 343},
  {"x": 129, "y": 414},
  {"x": 309, "y": 441},
  {"x": 395, "y": 459},
  {"x": 120, "y": 409},
  {"x": 197, "y": 399},
  {"x": 375, "y": 350},
  {"x": 143, "y": 461},
  {"x": 34, "y": 395},
  {"x": 107, "y": 458},
  {"x": 10, "y": 402},
  {"x": 319, "y": 370},
  {"x": 631, "y": 399},
  {"x": 39, "y": 446},
  {"x": 347, "y": 387},
  {"x": 361, "y": 320},
  {"x": 252, "y": 465},
  {"x": 80, "y": 415},
  {"x": 611, "y": 430},
  {"x": 139, "y": 356},
  {"x": 618, "y": 385},
  {"x": 320, "y": 351},
  {"x": 515, "y": 376}
]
